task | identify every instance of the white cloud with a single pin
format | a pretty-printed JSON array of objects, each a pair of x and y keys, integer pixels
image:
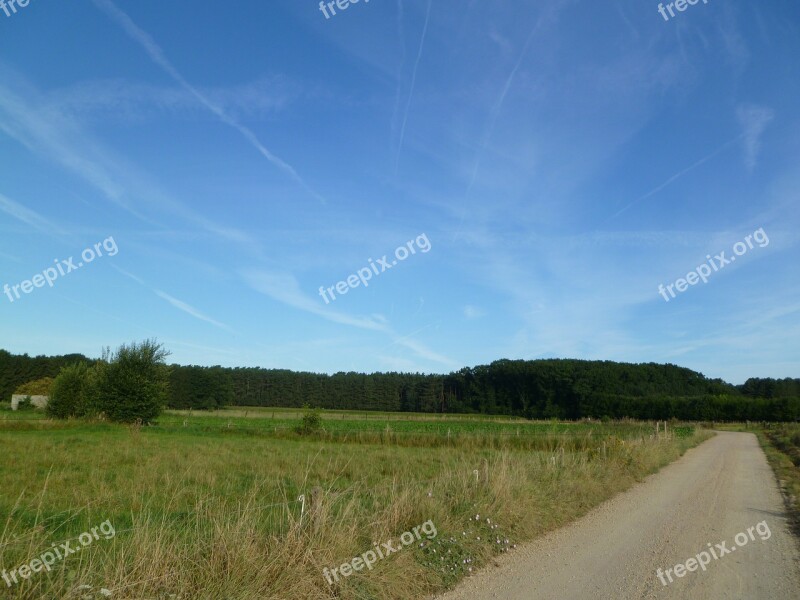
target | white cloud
[
  {"x": 284, "y": 288},
  {"x": 47, "y": 131},
  {"x": 473, "y": 312},
  {"x": 27, "y": 216},
  {"x": 753, "y": 120},
  {"x": 191, "y": 310}
]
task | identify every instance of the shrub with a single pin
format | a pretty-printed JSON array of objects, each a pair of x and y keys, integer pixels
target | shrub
[
  {"x": 74, "y": 392},
  {"x": 311, "y": 421},
  {"x": 683, "y": 432},
  {"x": 133, "y": 384}
]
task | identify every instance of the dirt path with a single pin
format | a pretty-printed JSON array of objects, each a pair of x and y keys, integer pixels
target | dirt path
[{"x": 715, "y": 491}]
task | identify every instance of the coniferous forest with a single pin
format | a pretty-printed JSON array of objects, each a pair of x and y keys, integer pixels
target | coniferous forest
[{"x": 538, "y": 389}]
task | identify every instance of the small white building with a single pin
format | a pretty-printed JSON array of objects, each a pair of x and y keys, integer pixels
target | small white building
[{"x": 37, "y": 401}]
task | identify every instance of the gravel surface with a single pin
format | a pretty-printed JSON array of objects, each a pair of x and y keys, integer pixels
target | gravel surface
[{"x": 719, "y": 489}]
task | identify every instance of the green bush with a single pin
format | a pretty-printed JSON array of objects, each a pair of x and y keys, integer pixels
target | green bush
[
  {"x": 311, "y": 421},
  {"x": 133, "y": 385},
  {"x": 74, "y": 392}
]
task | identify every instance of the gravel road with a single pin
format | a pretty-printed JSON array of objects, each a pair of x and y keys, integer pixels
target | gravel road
[{"x": 715, "y": 491}]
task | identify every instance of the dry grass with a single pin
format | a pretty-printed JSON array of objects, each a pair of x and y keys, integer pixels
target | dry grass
[{"x": 214, "y": 515}]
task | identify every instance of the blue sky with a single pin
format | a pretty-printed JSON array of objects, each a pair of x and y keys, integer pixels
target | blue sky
[{"x": 563, "y": 158}]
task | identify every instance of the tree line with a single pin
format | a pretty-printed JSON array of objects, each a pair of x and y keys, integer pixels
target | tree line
[
  {"x": 129, "y": 385},
  {"x": 538, "y": 389}
]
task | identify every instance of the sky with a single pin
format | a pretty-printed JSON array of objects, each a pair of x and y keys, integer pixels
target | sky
[{"x": 510, "y": 178}]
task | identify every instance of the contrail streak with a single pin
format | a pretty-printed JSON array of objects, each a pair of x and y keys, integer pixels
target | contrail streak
[
  {"x": 157, "y": 56},
  {"x": 413, "y": 82}
]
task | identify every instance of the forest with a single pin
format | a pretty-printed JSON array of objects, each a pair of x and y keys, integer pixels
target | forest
[{"x": 536, "y": 389}]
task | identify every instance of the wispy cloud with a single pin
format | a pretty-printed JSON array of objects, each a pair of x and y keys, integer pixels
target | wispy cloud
[
  {"x": 549, "y": 16},
  {"x": 27, "y": 216},
  {"x": 60, "y": 138},
  {"x": 10, "y": 257},
  {"x": 157, "y": 56},
  {"x": 413, "y": 84},
  {"x": 284, "y": 288},
  {"x": 36, "y": 221},
  {"x": 424, "y": 352},
  {"x": 402, "y": 38},
  {"x": 47, "y": 131},
  {"x": 179, "y": 304},
  {"x": 676, "y": 176},
  {"x": 473, "y": 312},
  {"x": 501, "y": 41},
  {"x": 122, "y": 99},
  {"x": 191, "y": 310},
  {"x": 753, "y": 120}
]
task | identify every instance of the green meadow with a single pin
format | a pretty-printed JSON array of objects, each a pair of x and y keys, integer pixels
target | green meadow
[{"x": 235, "y": 504}]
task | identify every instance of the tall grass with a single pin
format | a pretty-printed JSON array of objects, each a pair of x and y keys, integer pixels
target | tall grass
[{"x": 215, "y": 514}]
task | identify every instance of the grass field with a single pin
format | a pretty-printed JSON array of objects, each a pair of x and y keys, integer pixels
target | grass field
[{"x": 207, "y": 506}]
